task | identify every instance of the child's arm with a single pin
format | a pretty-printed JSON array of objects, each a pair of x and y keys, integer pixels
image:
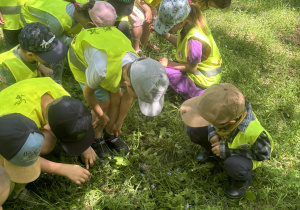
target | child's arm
[
  {"x": 45, "y": 70},
  {"x": 74, "y": 172},
  {"x": 147, "y": 9},
  {"x": 184, "y": 67},
  {"x": 90, "y": 97},
  {"x": 1, "y": 19},
  {"x": 260, "y": 150},
  {"x": 171, "y": 38},
  {"x": 124, "y": 107}
]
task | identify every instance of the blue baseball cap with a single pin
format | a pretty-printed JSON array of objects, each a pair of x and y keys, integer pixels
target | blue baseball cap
[
  {"x": 170, "y": 13},
  {"x": 20, "y": 146}
]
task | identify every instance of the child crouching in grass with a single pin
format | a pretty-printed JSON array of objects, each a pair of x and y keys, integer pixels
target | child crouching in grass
[
  {"x": 222, "y": 122},
  {"x": 198, "y": 58}
]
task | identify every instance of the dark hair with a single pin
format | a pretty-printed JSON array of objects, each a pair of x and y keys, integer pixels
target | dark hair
[
  {"x": 83, "y": 9},
  {"x": 196, "y": 18}
]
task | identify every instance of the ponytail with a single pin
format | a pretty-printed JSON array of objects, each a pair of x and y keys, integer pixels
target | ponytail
[
  {"x": 196, "y": 18},
  {"x": 83, "y": 9}
]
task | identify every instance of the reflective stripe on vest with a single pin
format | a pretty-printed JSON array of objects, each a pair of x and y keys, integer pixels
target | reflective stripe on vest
[
  {"x": 75, "y": 61},
  {"x": 11, "y": 10},
  {"x": 209, "y": 73}
]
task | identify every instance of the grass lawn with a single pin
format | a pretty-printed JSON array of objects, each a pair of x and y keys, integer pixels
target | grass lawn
[{"x": 260, "y": 45}]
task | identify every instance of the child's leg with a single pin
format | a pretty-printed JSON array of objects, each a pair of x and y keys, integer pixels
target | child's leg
[
  {"x": 182, "y": 84},
  {"x": 49, "y": 142},
  {"x": 136, "y": 19},
  {"x": 146, "y": 33},
  {"x": 113, "y": 111},
  {"x": 239, "y": 170},
  {"x": 146, "y": 27}
]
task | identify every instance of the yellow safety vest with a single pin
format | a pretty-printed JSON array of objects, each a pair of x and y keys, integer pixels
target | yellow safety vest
[
  {"x": 110, "y": 41},
  {"x": 249, "y": 136},
  {"x": 19, "y": 70},
  {"x": 10, "y": 11},
  {"x": 25, "y": 98},
  {"x": 153, "y": 3},
  {"x": 208, "y": 71},
  {"x": 56, "y": 8}
]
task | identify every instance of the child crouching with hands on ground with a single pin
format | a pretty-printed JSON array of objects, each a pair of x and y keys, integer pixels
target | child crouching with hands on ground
[
  {"x": 198, "y": 64},
  {"x": 222, "y": 122}
]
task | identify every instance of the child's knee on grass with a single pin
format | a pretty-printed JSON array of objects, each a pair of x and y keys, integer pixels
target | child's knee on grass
[
  {"x": 49, "y": 142},
  {"x": 4, "y": 186}
]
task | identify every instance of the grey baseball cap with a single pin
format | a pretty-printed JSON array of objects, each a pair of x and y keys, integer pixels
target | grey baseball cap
[{"x": 150, "y": 82}]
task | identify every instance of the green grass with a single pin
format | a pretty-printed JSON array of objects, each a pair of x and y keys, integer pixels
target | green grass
[{"x": 260, "y": 44}]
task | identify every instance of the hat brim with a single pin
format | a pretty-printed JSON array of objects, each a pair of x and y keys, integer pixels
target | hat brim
[
  {"x": 79, "y": 146},
  {"x": 58, "y": 53},
  {"x": 21, "y": 174},
  {"x": 161, "y": 28},
  {"x": 151, "y": 109},
  {"x": 189, "y": 113}
]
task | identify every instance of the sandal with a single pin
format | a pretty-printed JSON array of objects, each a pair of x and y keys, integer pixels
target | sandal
[
  {"x": 154, "y": 47},
  {"x": 140, "y": 53}
]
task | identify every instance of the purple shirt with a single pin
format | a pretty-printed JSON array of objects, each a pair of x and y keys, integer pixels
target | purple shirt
[{"x": 195, "y": 51}]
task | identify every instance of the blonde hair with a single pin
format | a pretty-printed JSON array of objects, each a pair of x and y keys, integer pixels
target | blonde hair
[{"x": 196, "y": 18}]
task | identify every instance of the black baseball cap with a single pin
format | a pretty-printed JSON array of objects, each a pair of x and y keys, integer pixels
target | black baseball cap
[
  {"x": 122, "y": 7},
  {"x": 39, "y": 39},
  {"x": 71, "y": 123}
]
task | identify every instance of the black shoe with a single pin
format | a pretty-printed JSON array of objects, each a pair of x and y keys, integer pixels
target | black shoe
[
  {"x": 238, "y": 188},
  {"x": 205, "y": 156},
  {"x": 101, "y": 148},
  {"x": 116, "y": 143}
]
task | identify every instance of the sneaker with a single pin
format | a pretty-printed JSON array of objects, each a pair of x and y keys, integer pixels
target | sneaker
[
  {"x": 101, "y": 148},
  {"x": 116, "y": 143},
  {"x": 237, "y": 188}
]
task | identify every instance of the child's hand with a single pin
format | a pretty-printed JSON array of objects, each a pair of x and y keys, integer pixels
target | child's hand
[
  {"x": 101, "y": 122},
  {"x": 214, "y": 139},
  {"x": 148, "y": 16},
  {"x": 76, "y": 173},
  {"x": 216, "y": 148},
  {"x": 164, "y": 61},
  {"x": 44, "y": 70},
  {"x": 117, "y": 128},
  {"x": 89, "y": 157},
  {"x": 1, "y": 19}
]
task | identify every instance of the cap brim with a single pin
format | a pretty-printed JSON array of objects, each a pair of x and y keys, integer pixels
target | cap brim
[
  {"x": 21, "y": 174},
  {"x": 79, "y": 146},
  {"x": 151, "y": 109},
  {"x": 189, "y": 113},
  {"x": 160, "y": 28},
  {"x": 58, "y": 53}
]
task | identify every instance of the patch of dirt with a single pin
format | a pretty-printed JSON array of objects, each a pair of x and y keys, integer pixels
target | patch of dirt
[{"x": 293, "y": 38}]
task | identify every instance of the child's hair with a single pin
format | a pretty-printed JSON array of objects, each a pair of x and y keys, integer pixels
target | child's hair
[
  {"x": 196, "y": 18},
  {"x": 83, "y": 9}
]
